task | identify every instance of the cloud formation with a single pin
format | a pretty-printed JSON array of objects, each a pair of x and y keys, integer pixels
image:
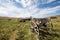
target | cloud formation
[
  {"x": 43, "y": 12},
  {"x": 29, "y": 8}
]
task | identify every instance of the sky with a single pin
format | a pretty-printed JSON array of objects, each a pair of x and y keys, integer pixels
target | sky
[{"x": 27, "y": 8}]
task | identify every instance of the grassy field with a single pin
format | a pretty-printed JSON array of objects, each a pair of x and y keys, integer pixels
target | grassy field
[
  {"x": 15, "y": 30},
  {"x": 56, "y": 27},
  {"x": 55, "y": 32}
]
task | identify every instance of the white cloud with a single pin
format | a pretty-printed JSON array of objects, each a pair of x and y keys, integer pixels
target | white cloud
[
  {"x": 12, "y": 11},
  {"x": 27, "y": 3},
  {"x": 30, "y": 9},
  {"x": 45, "y": 1},
  {"x": 43, "y": 12},
  {"x": 49, "y": 10},
  {"x": 51, "y": 0}
]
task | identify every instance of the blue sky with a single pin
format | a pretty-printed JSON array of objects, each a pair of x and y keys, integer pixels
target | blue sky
[{"x": 27, "y": 8}]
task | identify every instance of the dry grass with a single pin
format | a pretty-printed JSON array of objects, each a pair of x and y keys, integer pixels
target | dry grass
[{"x": 15, "y": 30}]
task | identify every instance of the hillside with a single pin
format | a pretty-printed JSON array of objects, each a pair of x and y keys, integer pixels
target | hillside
[{"x": 12, "y": 29}]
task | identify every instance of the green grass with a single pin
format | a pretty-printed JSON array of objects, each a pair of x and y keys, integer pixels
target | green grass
[
  {"x": 21, "y": 30},
  {"x": 7, "y": 27},
  {"x": 56, "y": 27}
]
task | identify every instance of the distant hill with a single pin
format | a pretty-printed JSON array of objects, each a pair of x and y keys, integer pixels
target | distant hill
[{"x": 9, "y": 18}]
